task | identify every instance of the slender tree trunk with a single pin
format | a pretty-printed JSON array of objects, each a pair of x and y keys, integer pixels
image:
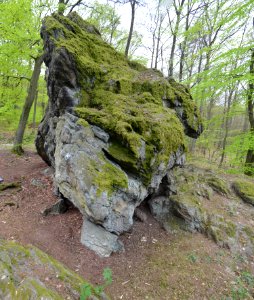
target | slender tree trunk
[
  {"x": 182, "y": 57},
  {"x": 175, "y": 33},
  {"x": 153, "y": 46},
  {"x": 133, "y": 2},
  {"x": 206, "y": 68},
  {"x": 158, "y": 44},
  {"x": 35, "y": 107},
  {"x": 17, "y": 147},
  {"x": 183, "y": 45},
  {"x": 210, "y": 107},
  {"x": 113, "y": 26},
  {"x": 228, "y": 100},
  {"x": 156, "y": 19},
  {"x": 249, "y": 162},
  {"x": 172, "y": 52},
  {"x": 162, "y": 59}
]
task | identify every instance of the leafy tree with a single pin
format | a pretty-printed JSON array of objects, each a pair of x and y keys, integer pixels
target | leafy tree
[
  {"x": 105, "y": 18},
  {"x": 20, "y": 47},
  {"x": 249, "y": 163}
]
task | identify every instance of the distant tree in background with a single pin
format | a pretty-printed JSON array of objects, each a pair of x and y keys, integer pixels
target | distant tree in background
[
  {"x": 249, "y": 162},
  {"x": 134, "y": 4}
]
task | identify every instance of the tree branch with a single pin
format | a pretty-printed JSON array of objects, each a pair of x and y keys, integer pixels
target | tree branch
[{"x": 15, "y": 77}]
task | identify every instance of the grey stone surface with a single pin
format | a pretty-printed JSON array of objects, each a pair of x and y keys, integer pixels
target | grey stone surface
[
  {"x": 60, "y": 207},
  {"x": 99, "y": 240},
  {"x": 100, "y": 133}
]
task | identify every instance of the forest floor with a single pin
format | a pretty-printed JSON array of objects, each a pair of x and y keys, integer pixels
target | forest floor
[{"x": 155, "y": 265}]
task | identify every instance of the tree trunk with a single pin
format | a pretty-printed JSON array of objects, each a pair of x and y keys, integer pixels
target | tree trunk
[
  {"x": 228, "y": 100},
  {"x": 35, "y": 108},
  {"x": 175, "y": 33},
  {"x": 153, "y": 50},
  {"x": 17, "y": 147},
  {"x": 183, "y": 45},
  {"x": 158, "y": 44},
  {"x": 133, "y": 2},
  {"x": 172, "y": 53},
  {"x": 249, "y": 162}
]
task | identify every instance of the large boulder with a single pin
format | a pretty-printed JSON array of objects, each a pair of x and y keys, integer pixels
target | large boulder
[{"x": 113, "y": 129}]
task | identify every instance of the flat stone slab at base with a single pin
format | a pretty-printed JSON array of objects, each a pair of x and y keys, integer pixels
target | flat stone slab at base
[{"x": 99, "y": 240}]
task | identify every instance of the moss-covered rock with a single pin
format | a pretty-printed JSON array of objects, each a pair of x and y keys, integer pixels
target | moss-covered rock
[
  {"x": 245, "y": 190},
  {"x": 124, "y": 99},
  {"x": 25, "y": 273},
  {"x": 113, "y": 128},
  {"x": 193, "y": 207},
  {"x": 218, "y": 185}
]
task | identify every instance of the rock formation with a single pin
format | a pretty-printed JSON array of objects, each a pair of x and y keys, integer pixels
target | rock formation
[
  {"x": 29, "y": 273},
  {"x": 112, "y": 130},
  {"x": 205, "y": 202}
]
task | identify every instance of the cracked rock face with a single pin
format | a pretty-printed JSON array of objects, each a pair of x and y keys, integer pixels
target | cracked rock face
[{"x": 112, "y": 130}]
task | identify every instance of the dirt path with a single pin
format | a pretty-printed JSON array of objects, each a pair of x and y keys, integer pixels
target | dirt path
[{"x": 155, "y": 265}]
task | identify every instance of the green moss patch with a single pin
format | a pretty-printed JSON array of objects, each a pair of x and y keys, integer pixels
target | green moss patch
[
  {"x": 11, "y": 185},
  {"x": 245, "y": 190},
  {"x": 218, "y": 185},
  {"x": 110, "y": 177}
]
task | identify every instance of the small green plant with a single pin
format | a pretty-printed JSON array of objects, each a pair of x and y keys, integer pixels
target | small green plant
[
  {"x": 240, "y": 292},
  {"x": 248, "y": 278},
  {"x": 243, "y": 285},
  {"x": 192, "y": 257},
  {"x": 87, "y": 289},
  {"x": 208, "y": 259}
]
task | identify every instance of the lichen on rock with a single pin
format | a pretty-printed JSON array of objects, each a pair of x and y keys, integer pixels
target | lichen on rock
[
  {"x": 113, "y": 128},
  {"x": 22, "y": 276}
]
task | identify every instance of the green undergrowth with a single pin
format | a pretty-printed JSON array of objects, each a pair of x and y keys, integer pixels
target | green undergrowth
[{"x": 124, "y": 98}]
